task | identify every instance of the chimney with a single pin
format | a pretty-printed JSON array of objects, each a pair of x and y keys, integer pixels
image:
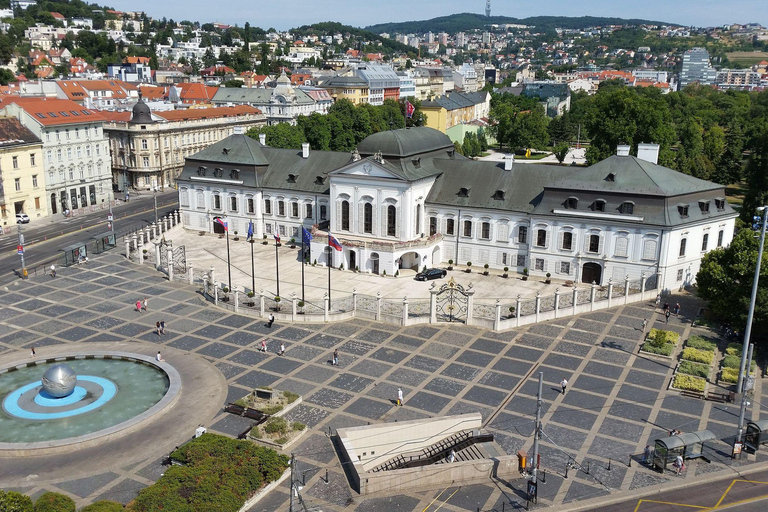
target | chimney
[
  {"x": 263, "y": 139},
  {"x": 648, "y": 152},
  {"x": 509, "y": 161},
  {"x": 305, "y": 150},
  {"x": 623, "y": 150},
  {"x": 239, "y": 130}
]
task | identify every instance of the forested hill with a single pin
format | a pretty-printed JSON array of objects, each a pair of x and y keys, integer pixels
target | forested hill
[
  {"x": 469, "y": 21},
  {"x": 329, "y": 28}
]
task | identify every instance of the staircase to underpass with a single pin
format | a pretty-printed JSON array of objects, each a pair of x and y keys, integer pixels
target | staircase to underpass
[{"x": 462, "y": 443}]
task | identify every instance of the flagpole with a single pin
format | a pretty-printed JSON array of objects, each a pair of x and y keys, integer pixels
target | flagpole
[
  {"x": 330, "y": 264},
  {"x": 277, "y": 266},
  {"x": 302, "y": 264},
  {"x": 229, "y": 266},
  {"x": 405, "y": 113},
  {"x": 253, "y": 266}
]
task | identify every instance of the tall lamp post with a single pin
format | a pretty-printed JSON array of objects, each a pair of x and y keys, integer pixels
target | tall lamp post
[{"x": 154, "y": 196}]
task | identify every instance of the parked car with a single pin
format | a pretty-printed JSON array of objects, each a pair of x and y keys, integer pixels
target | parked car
[
  {"x": 431, "y": 273},
  {"x": 22, "y": 218}
]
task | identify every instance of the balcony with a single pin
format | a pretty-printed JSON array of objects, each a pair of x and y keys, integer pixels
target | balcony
[{"x": 376, "y": 244}]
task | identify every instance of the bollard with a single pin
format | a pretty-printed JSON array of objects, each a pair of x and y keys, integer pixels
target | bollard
[
  {"x": 326, "y": 475},
  {"x": 630, "y": 461},
  {"x": 588, "y": 467},
  {"x": 567, "y": 465},
  {"x": 544, "y": 477},
  {"x": 609, "y": 464}
]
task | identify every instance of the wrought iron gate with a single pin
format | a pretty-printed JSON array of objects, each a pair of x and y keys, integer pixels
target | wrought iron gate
[
  {"x": 451, "y": 302},
  {"x": 179, "y": 257}
]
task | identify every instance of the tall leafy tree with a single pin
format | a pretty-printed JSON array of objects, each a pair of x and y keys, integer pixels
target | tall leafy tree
[{"x": 280, "y": 135}]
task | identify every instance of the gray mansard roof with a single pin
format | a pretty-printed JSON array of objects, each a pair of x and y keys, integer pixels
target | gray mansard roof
[{"x": 254, "y": 96}]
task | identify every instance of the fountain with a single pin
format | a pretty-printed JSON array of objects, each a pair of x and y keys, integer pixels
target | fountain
[{"x": 59, "y": 381}]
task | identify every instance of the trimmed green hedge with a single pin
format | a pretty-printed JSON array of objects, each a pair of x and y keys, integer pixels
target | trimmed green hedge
[
  {"x": 701, "y": 343},
  {"x": 54, "y": 502},
  {"x": 660, "y": 336},
  {"x": 730, "y": 375},
  {"x": 733, "y": 349},
  {"x": 664, "y": 350},
  {"x": 219, "y": 474},
  {"x": 689, "y": 383},
  {"x": 698, "y": 356},
  {"x": 733, "y": 361},
  {"x": 13, "y": 501},
  {"x": 695, "y": 369},
  {"x": 103, "y": 506}
]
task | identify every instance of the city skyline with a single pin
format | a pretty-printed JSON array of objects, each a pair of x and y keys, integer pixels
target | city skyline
[{"x": 304, "y": 12}]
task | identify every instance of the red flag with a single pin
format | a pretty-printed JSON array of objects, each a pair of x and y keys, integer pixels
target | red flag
[
  {"x": 409, "y": 109},
  {"x": 334, "y": 243},
  {"x": 221, "y": 222}
]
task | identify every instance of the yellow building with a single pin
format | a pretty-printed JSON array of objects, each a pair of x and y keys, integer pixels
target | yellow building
[
  {"x": 350, "y": 88},
  {"x": 456, "y": 108},
  {"x": 22, "y": 181}
]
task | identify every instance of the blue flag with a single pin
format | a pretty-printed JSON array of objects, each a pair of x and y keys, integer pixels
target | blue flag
[
  {"x": 250, "y": 231},
  {"x": 306, "y": 236}
]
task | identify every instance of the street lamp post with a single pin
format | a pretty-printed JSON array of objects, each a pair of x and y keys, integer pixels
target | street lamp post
[{"x": 154, "y": 196}]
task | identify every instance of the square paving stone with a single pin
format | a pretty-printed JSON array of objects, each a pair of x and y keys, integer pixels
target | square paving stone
[
  {"x": 588, "y": 338},
  {"x": 350, "y": 382},
  {"x": 302, "y": 352},
  {"x": 585, "y": 382},
  {"x": 371, "y": 368},
  {"x": 248, "y": 357},
  {"x": 670, "y": 420},
  {"x": 490, "y": 346},
  {"x": 483, "y": 395},
  {"x": 626, "y": 332},
  {"x": 526, "y": 406},
  {"x": 589, "y": 326},
  {"x": 649, "y": 380},
  {"x": 556, "y": 458},
  {"x": 310, "y": 416},
  {"x": 407, "y": 377},
  {"x": 611, "y": 448},
  {"x": 406, "y": 342},
  {"x": 318, "y": 448},
  {"x": 638, "y": 395},
  {"x": 461, "y": 372},
  {"x": 237, "y": 321},
  {"x": 565, "y": 437},
  {"x": 230, "y": 370},
  {"x": 188, "y": 343},
  {"x": 242, "y": 338},
  {"x": 532, "y": 340},
  {"x": 123, "y": 492},
  {"x": 217, "y": 350},
  {"x": 599, "y": 473},
  {"x": 574, "y": 349},
  {"x": 581, "y": 491},
  {"x": 439, "y": 350},
  {"x": 510, "y": 444},
  {"x": 32, "y": 304},
  {"x": 109, "y": 280},
  {"x": 501, "y": 336},
  {"x": 608, "y": 371},
  {"x": 608, "y": 355},
  {"x": 185, "y": 325},
  {"x": 105, "y": 323},
  {"x": 281, "y": 365},
  {"x": 19, "y": 338},
  {"x": 389, "y": 355},
  {"x": 448, "y": 387},
  {"x": 629, "y": 411},
  {"x": 523, "y": 353},
  {"x": 586, "y": 401},
  {"x": 474, "y": 358},
  {"x": 422, "y": 331},
  {"x": 235, "y": 393},
  {"x": 368, "y": 408},
  {"x": 85, "y": 288},
  {"x": 356, "y": 347},
  {"x": 293, "y": 333},
  {"x": 329, "y": 398},
  {"x": 619, "y": 344},
  {"x": 212, "y": 332},
  {"x": 631, "y": 432},
  {"x": 470, "y": 497},
  {"x": 323, "y": 340},
  {"x": 314, "y": 373},
  {"x": 513, "y": 423},
  {"x": 652, "y": 365},
  {"x": 232, "y": 425},
  {"x": 512, "y": 366},
  {"x": 393, "y": 503},
  {"x": 499, "y": 380},
  {"x": 373, "y": 335},
  {"x": 255, "y": 378},
  {"x": 427, "y": 402},
  {"x": 47, "y": 327},
  {"x": 26, "y": 320},
  {"x": 76, "y": 334},
  {"x": 725, "y": 413},
  {"x": 453, "y": 338},
  {"x": 424, "y": 363},
  {"x": 210, "y": 315},
  {"x": 43, "y": 342},
  {"x": 574, "y": 417},
  {"x": 84, "y": 487},
  {"x": 599, "y": 316},
  {"x": 562, "y": 361},
  {"x": 546, "y": 330}
]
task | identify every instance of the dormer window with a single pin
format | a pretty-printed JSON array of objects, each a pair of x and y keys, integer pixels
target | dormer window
[
  {"x": 499, "y": 195},
  {"x": 225, "y": 151},
  {"x": 611, "y": 177},
  {"x": 683, "y": 209},
  {"x": 628, "y": 207},
  {"x": 217, "y": 172},
  {"x": 463, "y": 192},
  {"x": 201, "y": 170},
  {"x": 416, "y": 162},
  {"x": 598, "y": 205},
  {"x": 234, "y": 174},
  {"x": 319, "y": 180},
  {"x": 292, "y": 178},
  {"x": 572, "y": 203},
  {"x": 704, "y": 206},
  {"x": 720, "y": 204}
]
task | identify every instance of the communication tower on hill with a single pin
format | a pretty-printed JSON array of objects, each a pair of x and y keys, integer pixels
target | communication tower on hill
[{"x": 488, "y": 8}]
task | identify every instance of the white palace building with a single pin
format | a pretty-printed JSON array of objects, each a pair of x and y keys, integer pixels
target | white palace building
[{"x": 405, "y": 199}]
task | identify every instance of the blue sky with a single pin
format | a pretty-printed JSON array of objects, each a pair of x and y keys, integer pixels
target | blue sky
[{"x": 283, "y": 15}]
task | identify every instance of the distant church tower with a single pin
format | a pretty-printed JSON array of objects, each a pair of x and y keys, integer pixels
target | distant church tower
[{"x": 488, "y": 8}]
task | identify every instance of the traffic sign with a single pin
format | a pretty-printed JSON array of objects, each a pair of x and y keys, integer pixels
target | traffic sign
[
  {"x": 109, "y": 217},
  {"x": 20, "y": 249}
]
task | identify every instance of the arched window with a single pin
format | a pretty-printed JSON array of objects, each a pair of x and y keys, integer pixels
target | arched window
[
  {"x": 391, "y": 220},
  {"x": 345, "y": 215},
  {"x": 368, "y": 218},
  {"x": 594, "y": 243}
]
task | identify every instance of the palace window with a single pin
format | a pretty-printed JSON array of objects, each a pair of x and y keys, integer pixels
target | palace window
[
  {"x": 268, "y": 207},
  {"x": 704, "y": 242},
  {"x": 522, "y": 235},
  {"x": 720, "y": 236},
  {"x": 594, "y": 243},
  {"x": 345, "y": 215},
  {"x": 391, "y": 219},
  {"x": 468, "y": 228},
  {"x": 683, "y": 243},
  {"x": 567, "y": 244},
  {"x": 541, "y": 238},
  {"x": 450, "y": 226},
  {"x": 281, "y": 207},
  {"x": 367, "y": 218},
  {"x": 432, "y": 226},
  {"x": 485, "y": 231}
]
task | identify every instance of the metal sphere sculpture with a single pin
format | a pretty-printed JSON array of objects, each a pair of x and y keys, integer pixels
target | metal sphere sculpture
[{"x": 59, "y": 381}]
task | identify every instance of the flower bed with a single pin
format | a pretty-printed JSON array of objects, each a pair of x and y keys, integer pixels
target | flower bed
[
  {"x": 668, "y": 336},
  {"x": 689, "y": 383},
  {"x": 698, "y": 356},
  {"x": 701, "y": 343},
  {"x": 277, "y": 431},
  {"x": 695, "y": 369},
  {"x": 660, "y": 342},
  {"x": 733, "y": 349},
  {"x": 664, "y": 350},
  {"x": 733, "y": 361},
  {"x": 281, "y": 400},
  {"x": 730, "y": 375}
]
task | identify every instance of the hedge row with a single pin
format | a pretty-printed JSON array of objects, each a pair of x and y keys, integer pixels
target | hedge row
[
  {"x": 734, "y": 361},
  {"x": 698, "y": 356},
  {"x": 662, "y": 336},
  {"x": 51, "y": 502},
  {"x": 730, "y": 375},
  {"x": 663, "y": 350},
  {"x": 701, "y": 343},
  {"x": 689, "y": 383},
  {"x": 695, "y": 369}
]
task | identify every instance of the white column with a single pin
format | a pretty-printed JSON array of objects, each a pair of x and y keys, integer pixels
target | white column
[
  {"x": 237, "y": 301},
  {"x": 557, "y": 301},
  {"x": 293, "y": 307},
  {"x": 405, "y": 311},
  {"x": 433, "y": 305},
  {"x": 326, "y": 305},
  {"x": 127, "y": 248},
  {"x": 643, "y": 279},
  {"x": 261, "y": 301},
  {"x": 497, "y": 319},
  {"x": 592, "y": 296},
  {"x": 517, "y": 311},
  {"x": 191, "y": 273},
  {"x": 538, "y": 305},
  {"x": 378, "y": 306},
  {"x": 157, "y": 255},
  {"x": 470, "y": 307},
  {"x": 170, "y": 263},
  {"x": 626, "y": 290},
  {"x": 212, "y": 274},
  {"x": 575, "y": 299},
  {"x": 610, "y": 291}
]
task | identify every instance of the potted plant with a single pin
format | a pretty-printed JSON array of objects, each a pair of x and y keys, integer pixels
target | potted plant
[
  {"x": 314, "y": 263},
  {"x": 264, "y": 241},
  {"x": 146, "y": 254},
  {"x": 277, "y": 302},
  {"x": 506, "y": 272},
  {"x": 485, "y": 273},
  {"x": 525, "y": 274},
  {"x": 341, "y": 267},
  {"x": 384, "y": 273},
  {"x": 549, "y": 278},
  {"x": 397, "y": 272},
  {"x": 293, "y": 243},
  {"x": 511, "y": 311},
  {"x": 236, "y": 237},
  {"x": 450, "y": 264},
  {"x": 300, "y": 305},
  {"x": 251, "y": 294},
  {"x": 357, "y": 269},
  {"x": 469, "y": 267}
]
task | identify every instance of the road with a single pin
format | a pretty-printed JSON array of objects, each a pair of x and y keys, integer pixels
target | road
[
  {"x": 734, "y": 493},
  {"x": 44, "y": 239}
]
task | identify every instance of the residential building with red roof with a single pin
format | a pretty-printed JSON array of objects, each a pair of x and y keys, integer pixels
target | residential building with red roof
[
  {"x": 195, "y": 93},
  {"x": 75, "y": 155},
  {"x": 148, "y": 148},
  {"x": 98, "y": 94}
]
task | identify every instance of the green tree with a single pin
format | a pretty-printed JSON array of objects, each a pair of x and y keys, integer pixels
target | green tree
[
  {"x": 756, "y": 174},
  {"x": 280, "y": 135},
  {"x": 103, "y": 506},
  {"x": 12, "y": 501},
  {"x": 561, "y": 151},
  {"x": 232, "y": 83},
  {"x": 317, "y": 131},
  {"x": 54, "y": 502}
]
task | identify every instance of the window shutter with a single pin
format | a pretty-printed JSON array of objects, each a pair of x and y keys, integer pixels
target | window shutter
[
  {"x": 361, "y": 217},
  {"x": 383, "y": 220},
  {"x": 600, "y": 244},
  {"x": 499, "y": 258},
  {"x": 374, "y": 226},
  {"x": 503, "y": 233},
  {"x": 338, "y": 216},
  {"x": 586, "y": 242},
  {"x": 560, "y": 237}
]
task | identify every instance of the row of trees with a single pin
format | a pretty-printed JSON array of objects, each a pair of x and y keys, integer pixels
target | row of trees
[{"x": 342, "y": 128}]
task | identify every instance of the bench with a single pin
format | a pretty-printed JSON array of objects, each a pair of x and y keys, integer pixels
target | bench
[
  {"x": 722, "y": 397},
  {"x": 253, "y": 414},
  {"x": 692, "y": 394},
  {"x": 234, "y": 409},
  {"x": 244, "y": 433}
]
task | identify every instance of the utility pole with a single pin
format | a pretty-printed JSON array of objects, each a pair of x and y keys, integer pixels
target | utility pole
[
  {"x": 110, "y": 218},
  {"x": 293, "y": 466},
  {"x": 154, "y": 195},
  {"x": 748, "y": 331},
  {"x": 744, "y": 404},
  {"x": 20, "y": 250},
  {"x": 533, "y": 484}
]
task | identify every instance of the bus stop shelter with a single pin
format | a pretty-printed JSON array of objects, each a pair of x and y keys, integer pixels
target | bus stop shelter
[
  {"x": 104, "y": 241},
  {"x": 757, "y": 434},
  {"x": 689, "y": 445},
  {"x": 73, "y": 253}
]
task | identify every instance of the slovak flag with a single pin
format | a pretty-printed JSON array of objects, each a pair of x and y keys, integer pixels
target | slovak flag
[
  {"x": 221, "y": 222},
  {"x": 409, "y": 109},
  {"x": 334, "y": 243},
  {"x": 277, "y": 236}
]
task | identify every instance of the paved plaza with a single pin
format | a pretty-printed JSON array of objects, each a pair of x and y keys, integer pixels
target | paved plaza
[{"x": 617, "y": 400}]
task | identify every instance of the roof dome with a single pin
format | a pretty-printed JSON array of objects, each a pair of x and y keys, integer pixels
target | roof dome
[
  {"x": 141, "y": 113},
  {"x": 404, "y": 142}
]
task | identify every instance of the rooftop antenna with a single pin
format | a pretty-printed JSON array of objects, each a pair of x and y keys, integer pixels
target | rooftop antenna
[{"x": 488, "y": 8}]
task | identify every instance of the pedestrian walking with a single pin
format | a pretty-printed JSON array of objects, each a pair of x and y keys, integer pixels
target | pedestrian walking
[
  {"x": 647, "y": 453},
  {"x": 666, "y": 306},
  {"x": 145, "y": 303},
  {"x": 282, "y": 349},
  {"x": 157, "y": 328},
  {"x": 677, "y": 309},
  {"x": 159, "y": 357},
  {"x": 33, "y": 351},
  {"x": 563, "y": 384},
  {"x": 264, "y": 345},
  {"x": 53, "y": 270},
  {"x": 666, "y": 315},
  {"x": 270, "y": 320},
  {"x": 335, "y": 360},
  {"x": 679, "y": 464},
  {"x": 658, "y": 299},
  {"x": 400, "y": 400},
  {"x": 452, "y": 455},
  {"x": 645, "y": 324},
  {"x": 138, "y": 305},
  {"x": 162, "y": 327}
]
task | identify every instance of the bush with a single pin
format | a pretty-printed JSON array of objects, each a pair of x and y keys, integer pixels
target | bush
[
  {"x": 689, "y": 383},
  {"x": 698, "y": 356},
  {"x": 251, "y": 294},
  {"x": 701, "y": 343},
  {"x": 15, "y": 501},
  {"x": 54, "y": 502},
  {"x": 730, "y": 375},
  {"x": 276, "y": 426},
  {"x": 290, "y": 397},
  {"x": 695, "y": 369},
  {"x": 103, "y": 506},
  {"x": 733, "y": 349},
  {"x": 735, "y": 362},
  {"x": 269, "y": 410},
  {"x": 668, "y": 336},
  {"x": 663, "y": 350},
  {"x": 298, "y": 426},
  {"x": 281, "y": 440}
]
